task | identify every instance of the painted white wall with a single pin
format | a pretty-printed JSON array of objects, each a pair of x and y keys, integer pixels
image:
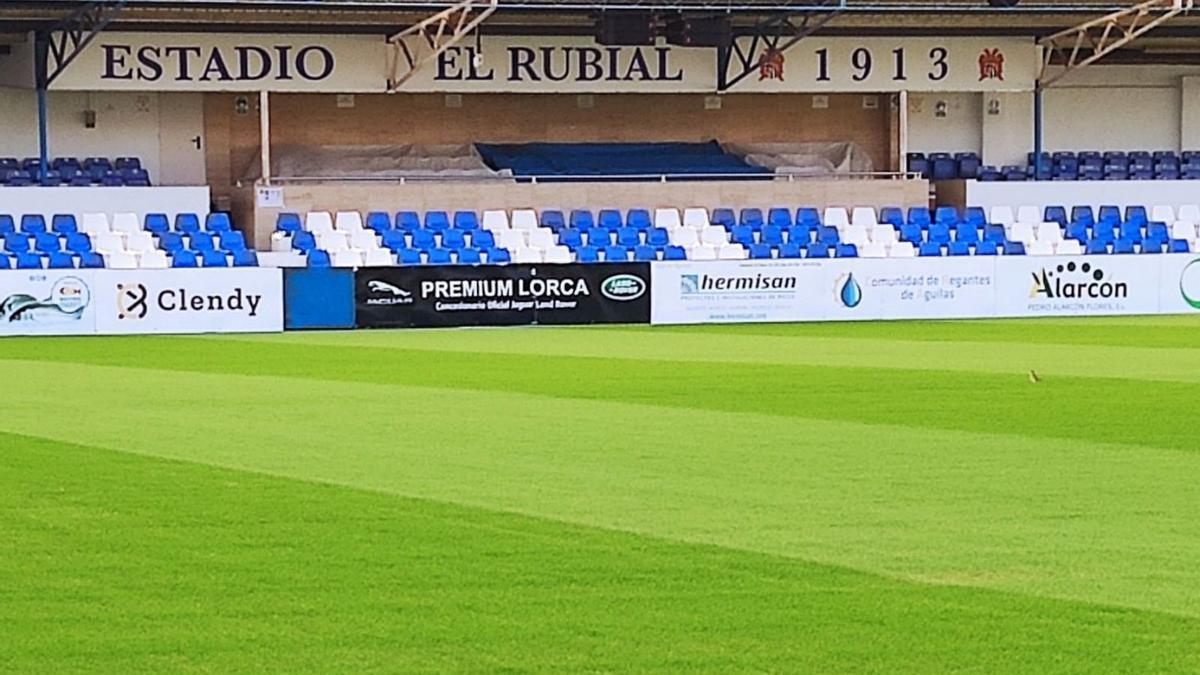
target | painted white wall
[
  {"x": 1189, "y": 123},
  {"x": 79, "y": 200},
  {"x": 1111, "y": 118},
  {"x": 1120, "y": 193},
  {"x": 1008, "y": 134},
  {"x": 155, "y": 127},
  {"x": 958, "y": 131}
]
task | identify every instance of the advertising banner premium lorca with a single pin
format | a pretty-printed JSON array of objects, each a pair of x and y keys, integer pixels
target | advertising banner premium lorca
[{"x": 399, "y": 297}]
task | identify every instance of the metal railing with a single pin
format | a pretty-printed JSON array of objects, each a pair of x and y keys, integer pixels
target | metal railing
[{"x": 594, "y": 178}]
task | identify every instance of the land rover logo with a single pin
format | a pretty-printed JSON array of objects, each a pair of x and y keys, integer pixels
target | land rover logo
[
  {"x": 623, "y": 287},
  {"x": 1189, "y": 284}
]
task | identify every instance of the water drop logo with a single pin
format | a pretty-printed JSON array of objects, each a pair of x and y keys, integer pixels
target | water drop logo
[
  {"x": 1189, "y": 284},
  {"x": 849, "y": 292}
]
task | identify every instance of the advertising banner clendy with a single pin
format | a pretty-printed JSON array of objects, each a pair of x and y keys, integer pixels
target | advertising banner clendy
[
  {"x": 216, "y": 300},
  {"x": 47, "y": 302},
  {"x": 502, "y": 295}
]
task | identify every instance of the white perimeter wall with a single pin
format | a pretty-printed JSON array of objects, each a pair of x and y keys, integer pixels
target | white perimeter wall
[
  {"x": 1120, "y": 193},
  {"x": 1098, "y": 108},
  {"x": 159, "y": 128},
  {"x": 18, "y": 201}
]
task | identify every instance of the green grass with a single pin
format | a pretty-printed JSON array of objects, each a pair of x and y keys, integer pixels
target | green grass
[{"x": 884, "y": 497}]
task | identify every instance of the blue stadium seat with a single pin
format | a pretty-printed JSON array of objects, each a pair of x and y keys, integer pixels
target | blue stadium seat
[
  {"x": 288, "y": 222},
  {"x": 760, "y": 251},
  {"x": 1131, "y": 230},
  {"x": 598, "y": 237},
  {"x": 974, "y": 215},
  {"x": 217, "y": 222},
  {"x": 742, "y": 234},
  {"x": 187, "y": 223},
  {"x": 966, "y": 232},
  {"x": 17, "y": 242},
  {"x": 1097, "y": 247},
  {"x": 917, "y": 163},
  {"x": 752, "y": 218},
  {"x": 453, "y": 239},
  {"x": 808, "y": 217},
  {"x": 616, "y": 254},
  {"x": 780, "y": 217},
  {"x": 723, "y": 217},
  {"x": 63, "y": 223},
  {"x": 638, "y": 219},
  {"x": 90, "y": 260},
  {"x": 498, "y": 256},
  {"x": 483, "y": 239},
  {"x": 394, "y": 240},
  {"x": 986, "y": 247},
  {"x": 171, "y": 242},
  {"x": 379, "y": 222},
  {"x": 792, "y": 249},
  {"x": 1123, "y": 246},
  {"x": 79, "y": 243},
  {"x": 994, "y": 234},
  {"x": 581, "y": 219},
  {"x": 911, "y": 232},
  {"x": 1109, "y": 214},
  {"x": 645, "y": 253},
  {"x": 846, "y": 251},
  {"x": 680, "y": 253},
  {"x": 318, "y": 258},
  {"x": 657, "y": 237},
  {"x": 437, "y": 220},
  {"x": 919, "y": 215},
  {"x": 46, "y": 242},
  {"x": 61, "y": 260},
  {"x": 214, "y": 258},
  {"x": 939, "y": 233},
  {"x": 946, "y": 215},
  {"x": 570, "y": 237},
  {"x": 960, "y": 247},
  {"x": 6, "y": 224},
  {"x": 772, "y": 235},
  {"x": 424, "y": 240},
  {"x": 33, "y": 223},
  {"x": 440, "y": 256},
  {"x": 553, "y": 219},
  {"x": 466, "y": 220},
  {"x": 1136, "y": 214},
  {"x": 1149, "y": 245},
  {"x": 799, "y": 234},
  {"x": 817, "y": 250},
  {"x": 231, "y": 241},
  {"x": 408, "y": 221},
  {"x": 28, "y": 261},
  {"x": 629, "y": 237},
  {"x": 827, "y": 235},
  {"x": 610, "y": 219},
  {"x": 1179, "y": 246},
  {"x": 1055, "y": 214},
  {"x": 184, "y": 258},
  {"x": 1014, "y": 248},
  {"x": 157, "y": 223},
  {"x": 1077, "y": 231},
  {"x": 200, "y": 241},
  {"x": 470, "y": 256},
  {"x": 304, "y": 242},
  {"x": 587, "y": 254},
  {"x": 1104, "y": 230},
  {"x": 5, "y": 262},
  {"x": 1157, "y": 231},
  {"x": 930, "y": 248},
  {"x": 245, "y": 258},
  {"x": 408, "y": 256}
]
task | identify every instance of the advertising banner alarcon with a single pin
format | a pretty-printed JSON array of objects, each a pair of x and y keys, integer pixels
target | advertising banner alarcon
[
  {"x": 1078, "y": 285},
  {"x": 233, "y": 300},
  {"x": 47, "y": 302},
  {"x": 502, "y": 295}
]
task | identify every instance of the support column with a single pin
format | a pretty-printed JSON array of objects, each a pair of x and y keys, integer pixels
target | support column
[
  {"x": 902, "y": 105},
  {"x": 264, "y": 132},
  {"x": 41, "y": 55},
  {"x": 1037, "y": 131}
]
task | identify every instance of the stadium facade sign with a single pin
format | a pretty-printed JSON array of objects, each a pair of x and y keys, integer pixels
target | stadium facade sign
[
  {"x": 502, "y": 295},
  {"x": 538, "y": 64}
]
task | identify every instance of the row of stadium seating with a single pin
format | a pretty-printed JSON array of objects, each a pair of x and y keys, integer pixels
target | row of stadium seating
[
  {"x": 346, "y": 239},
  {"x": 1085, "y": 165},
  {"x": 122, "y": 242},
  {"x": 124, "y": 171}
]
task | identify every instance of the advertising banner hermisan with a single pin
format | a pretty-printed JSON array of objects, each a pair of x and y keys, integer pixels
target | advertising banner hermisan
[
  {"x": 233, "y": 300},
  {"x": 47, "y": 302},
  {"x": 737, "y": 291},
  {"x": 502, "y": 295}
]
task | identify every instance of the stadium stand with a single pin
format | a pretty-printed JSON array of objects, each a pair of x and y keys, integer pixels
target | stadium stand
[
  {"x": 122, "y": 171},
  {"x": 119, "y": 241},
  {"x": 1064, "y": 166}
]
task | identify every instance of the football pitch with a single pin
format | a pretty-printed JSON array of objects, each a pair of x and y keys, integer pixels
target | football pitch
[{"x": 825, "y": 498}]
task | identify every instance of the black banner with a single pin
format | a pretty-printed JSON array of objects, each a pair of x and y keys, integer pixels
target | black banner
[{"x": 501, "y": 295}]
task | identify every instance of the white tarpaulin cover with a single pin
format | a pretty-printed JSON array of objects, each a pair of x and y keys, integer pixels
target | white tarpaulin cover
[
  {"x": 809, "y": 159},
  {"x": 374, "y": 161}
]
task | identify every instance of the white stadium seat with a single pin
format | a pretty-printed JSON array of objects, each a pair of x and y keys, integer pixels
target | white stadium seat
[
  {"x": 377, "y": 257},
  {"x": 348, "y": 221},
  {"x": 863, "y": 216},
  {"x": 1189, "y": 213},
  {"x": 558, "y": 255},
  {"x": 696, "y": 218},
  {"x": 93, "y": 223},
  {"x": 345, "y": 258},
  {"x": 1029, "y": 214},
  {"x": 702, "y": 252},
  {"x": 1183, "y": 230},
  {"x": 873, "y": 250},
  {"x": 1022, "y": 232},
  {"x": 527, "y": 256},
  {"x": 510, "y": 239},
  {"x": 524, "y": 219},
  {"x": 126, "y": 223},
  {"x": 855, "y": 234},
  {"x": 495, "y": 220},
  {"x": 1163, "y": 213},
  {"x": 108, "y": 242},
  {"x": 281, "y": 242},
  {"x": 120, "y": 260},
  {"x": 883, "y": 234},
  {"x": 901, "y": 249},
  {"x": 332, "y": 241},
  {"x": 714, "y": 235},
  {"x": 684, "y": 236},
  {"x": 836, "y": 216},
  {"x": 364, "y": 240},
  {"x": 1002, "y": 215},
  {"x": 1050, "y": 232},
  {"x": 732, "y": 252},
  {"x": 667, "y": 219},
  {"x": 139, "y": 242},
  {"x": 1068, "y": 247},
  {"x": 153, "y": 260},
  {"x": 318, "y": 221},
  {"x": 540, "y": 238},
  {"x": 1038, "y": 247}
]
